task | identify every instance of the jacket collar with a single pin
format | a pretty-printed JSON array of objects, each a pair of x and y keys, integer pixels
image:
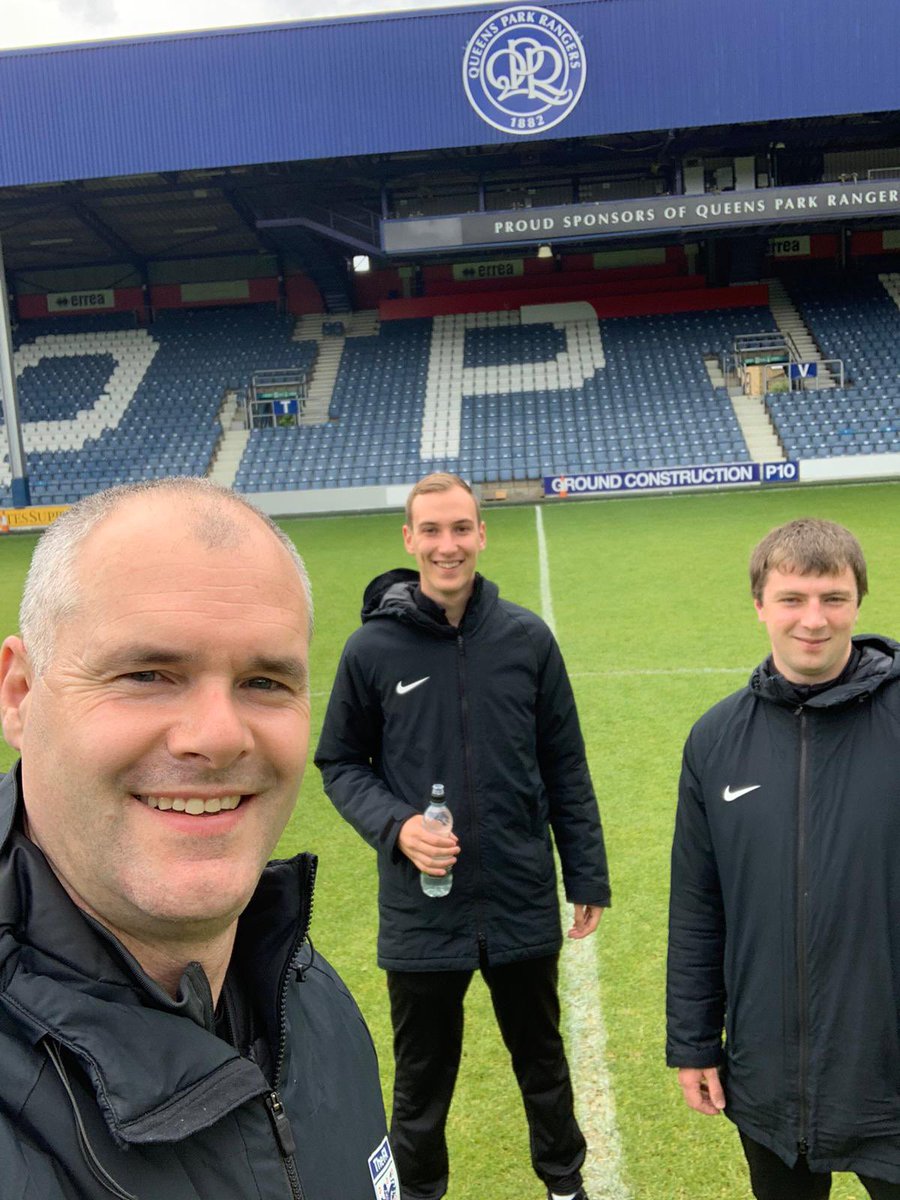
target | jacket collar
[
  {"x": 396, "y": 595},
  {"x": 65, "y": 977},
  {"x": 879, "y": 662}
]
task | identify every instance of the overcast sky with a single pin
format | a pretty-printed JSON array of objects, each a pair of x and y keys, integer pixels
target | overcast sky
[{"x": 40, "y": 22}]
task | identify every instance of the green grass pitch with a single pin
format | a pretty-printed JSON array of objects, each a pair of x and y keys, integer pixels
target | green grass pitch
[{"x": 654, "y": 618}]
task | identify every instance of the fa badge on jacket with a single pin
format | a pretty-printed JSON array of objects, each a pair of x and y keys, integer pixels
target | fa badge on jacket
[{"x": 384, "y": 1173}]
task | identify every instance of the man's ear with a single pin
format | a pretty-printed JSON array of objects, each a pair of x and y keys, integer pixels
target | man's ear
[{"x": 15, "y": 689}]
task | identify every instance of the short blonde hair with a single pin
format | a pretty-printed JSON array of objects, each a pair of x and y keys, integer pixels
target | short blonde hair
[{"x": 439, "y": 481}]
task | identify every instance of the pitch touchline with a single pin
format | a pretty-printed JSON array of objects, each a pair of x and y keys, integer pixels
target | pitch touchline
[
  {"x": 585, "y": 1031},
  {"x": 547, "y": 607},
  {"x": 661, "y": 671}
]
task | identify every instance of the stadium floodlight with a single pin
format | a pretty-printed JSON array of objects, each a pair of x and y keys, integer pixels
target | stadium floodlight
[
  {"x": 545, "y": 250},
  {"x": 361, "y": 263}
]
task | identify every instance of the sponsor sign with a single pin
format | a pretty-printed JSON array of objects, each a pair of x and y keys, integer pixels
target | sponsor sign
[
  {"x": 632, "y": 257},
  {"x": 807, "y": 370},
  {"x": 795, "y": 247},
  {"x": 79, "y": 301},
  {"x": 611, "y": 218},
  {"x": 29, "y": 518},
  {"x": 222, "y": 289},
  {"x": 524, "y": 70},
  {"x": 890, "y": 239},
  {"x": 496, "y": 268},
  {"x": 666, "y": 478}
]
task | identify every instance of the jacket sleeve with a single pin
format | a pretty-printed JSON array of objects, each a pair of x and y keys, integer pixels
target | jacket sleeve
[
  {"x": 574, "y": 815},
  {"x": 348, "y": 751},
  {"x": 695, "y": 992}
]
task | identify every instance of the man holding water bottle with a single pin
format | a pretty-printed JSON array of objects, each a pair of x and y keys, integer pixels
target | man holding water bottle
[{"x": 447, "y": 684}]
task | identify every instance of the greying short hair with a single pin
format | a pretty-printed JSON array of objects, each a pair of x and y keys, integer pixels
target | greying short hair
[
  {"x": 808, "y": 546},
  {"x": 51, "y": 592}
]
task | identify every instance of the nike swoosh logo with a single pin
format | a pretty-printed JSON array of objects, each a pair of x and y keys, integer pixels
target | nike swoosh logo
[
  {"x": 736, "y": 793},
  {"x": 403, "y": 688}
]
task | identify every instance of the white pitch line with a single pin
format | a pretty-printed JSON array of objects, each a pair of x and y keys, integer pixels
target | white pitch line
[
  {"x": 584, "y": 1028},
  {"x": 617, "y": 672}
]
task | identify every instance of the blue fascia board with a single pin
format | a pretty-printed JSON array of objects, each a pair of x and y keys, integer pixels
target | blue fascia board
[{"x": 393, "y": 83}]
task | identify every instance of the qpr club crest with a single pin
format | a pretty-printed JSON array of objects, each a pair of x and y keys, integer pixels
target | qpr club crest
[{"x": 524, "y": 70}]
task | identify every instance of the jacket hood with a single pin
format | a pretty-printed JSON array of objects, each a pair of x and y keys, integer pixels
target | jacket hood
[
  {"x": 65, "y": 977},
  {"x": 391, "y": 592},
  {"x": 878, "y": 664},
  {"x": 396, "y": 595}
]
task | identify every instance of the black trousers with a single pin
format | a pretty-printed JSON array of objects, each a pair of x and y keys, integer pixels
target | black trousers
[
  {"x": 427, "y": 1015},
  {"x": 772, "y": 1180}
]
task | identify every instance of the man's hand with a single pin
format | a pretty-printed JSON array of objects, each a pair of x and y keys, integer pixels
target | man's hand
[
  {"x": 433, "y": 853},
  {"x": 586, "y": 918},
  {"x": 701, "y": 1089}
]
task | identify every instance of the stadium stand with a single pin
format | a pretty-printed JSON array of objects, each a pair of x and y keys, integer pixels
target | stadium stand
[
  {"x": 104, "y": 402},
  {"x": 857, "y": 321},
  {"x": 497, "y": 396},
  {"x": 500, "y": 401}
]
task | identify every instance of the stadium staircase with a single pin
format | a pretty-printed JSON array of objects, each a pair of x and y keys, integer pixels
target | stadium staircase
[
  {"x": 751, "y": 414},
  {"x": 230, "y": 449},
  {"x": 791, "y": 323},
  {"x": 314, "y": 327}
]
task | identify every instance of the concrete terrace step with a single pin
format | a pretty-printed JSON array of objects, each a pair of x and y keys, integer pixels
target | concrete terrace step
[{"x": 228, "y": 456}]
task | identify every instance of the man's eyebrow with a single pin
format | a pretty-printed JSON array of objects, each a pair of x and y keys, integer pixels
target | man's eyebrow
[
  {"x": 142, "y": 657},
  {"x": 291, "y": 668},
  {"x": 784, "y": 593}
]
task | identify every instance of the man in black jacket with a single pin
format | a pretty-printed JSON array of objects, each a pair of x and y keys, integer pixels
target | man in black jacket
[
  {"x": 785, "y": 902},
  {"x": 166, "y": 1031},
  {"x": 447, "y": 683}
]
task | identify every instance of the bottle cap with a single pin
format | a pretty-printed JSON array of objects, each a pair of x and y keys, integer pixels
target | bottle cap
[{"x": 437, "y": 791}]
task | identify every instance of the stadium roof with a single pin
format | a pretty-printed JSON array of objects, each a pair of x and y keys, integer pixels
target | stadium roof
[{"x": 178, "y": 146}]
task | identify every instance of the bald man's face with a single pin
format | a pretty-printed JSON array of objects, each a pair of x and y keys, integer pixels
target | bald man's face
[{"x": 163, "y": 747}]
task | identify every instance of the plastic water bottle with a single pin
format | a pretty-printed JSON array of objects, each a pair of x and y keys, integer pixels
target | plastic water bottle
[{"x": 437, "y": 818}]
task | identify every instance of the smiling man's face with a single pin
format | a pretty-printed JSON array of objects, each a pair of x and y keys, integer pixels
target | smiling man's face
[
  {"x": 445, "y": 537},
  {"x": 809, "y": 619},
  {"x": 163, "y": 746}
]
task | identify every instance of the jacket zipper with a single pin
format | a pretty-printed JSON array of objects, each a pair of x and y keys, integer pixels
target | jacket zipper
[
  {"x": 93, "y": 1163},
  {"x": 281, "y": 1126},
  {"x": 802, "y": 965},
  {"x": 284, "y": 1136},
  {"x": 470, "y": 774}
]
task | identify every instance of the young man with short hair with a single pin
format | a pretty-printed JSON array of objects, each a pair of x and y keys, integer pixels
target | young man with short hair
[
  {"x": 447, "y": 683},
  {"x": 785, "y": 901}
]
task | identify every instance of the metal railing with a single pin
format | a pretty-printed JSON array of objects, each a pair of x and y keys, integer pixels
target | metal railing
[
  {"x": 786, "y": 369},
  {"x": 276, "y": 397}
]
